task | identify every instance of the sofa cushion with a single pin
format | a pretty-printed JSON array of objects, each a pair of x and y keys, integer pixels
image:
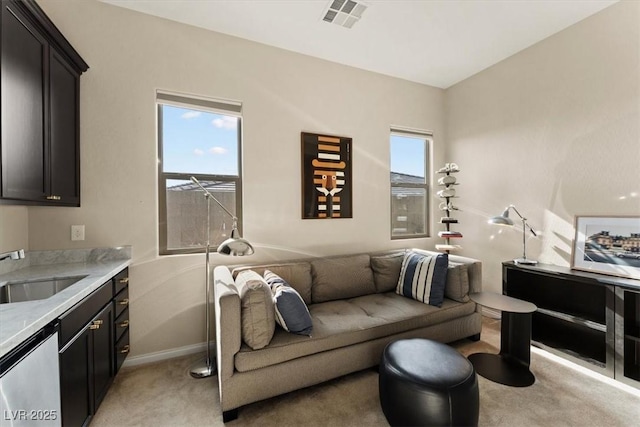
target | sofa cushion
[
  {"x": 257, "y": 314},
  {"x": 292, "y": 313},
  {"x": 351, "y": 321},
  {"x": 457, "y": 287},
  {"x": 341, "y": 277},
  {"x": 423, "y": 277},
  {"x": 386, "y": 270},
  {"x": 296, "y": 274}
]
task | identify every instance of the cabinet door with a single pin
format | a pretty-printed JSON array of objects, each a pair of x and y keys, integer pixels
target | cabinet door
[
  {"x": 75, "y": 379},
  {"x": 23, "y": 107},
  {"x": 102, "y": 353},
  {"x": 628, "y": 336},
  {"x": 64, "y": 166}
]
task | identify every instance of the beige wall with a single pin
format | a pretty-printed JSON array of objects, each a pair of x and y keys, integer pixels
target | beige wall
[
  {"x": 554, "y": 130},
  {"x": 14, "y": 228},
  {"x": 283, "y": 93}
]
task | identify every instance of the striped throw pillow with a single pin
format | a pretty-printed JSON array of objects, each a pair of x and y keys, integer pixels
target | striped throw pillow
[
  {"x": 423, "y": 277},
  {"x": 291, "y": 311}
]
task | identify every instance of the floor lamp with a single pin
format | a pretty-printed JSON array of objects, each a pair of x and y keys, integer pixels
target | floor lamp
[
  {"x": 504, "y": 219},
  {"x": 234, "y": 245}
]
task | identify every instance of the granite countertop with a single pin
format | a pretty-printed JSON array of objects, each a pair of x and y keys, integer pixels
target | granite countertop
[{"x": 20, "y": 320}]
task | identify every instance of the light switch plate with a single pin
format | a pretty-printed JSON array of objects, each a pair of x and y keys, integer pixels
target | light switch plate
[{"x": 77, "y": 232}]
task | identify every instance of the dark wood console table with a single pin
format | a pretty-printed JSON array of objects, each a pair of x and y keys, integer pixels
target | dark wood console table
[
  {"x": 589, "y": 318},
  {"x": 511, "y": 366}
]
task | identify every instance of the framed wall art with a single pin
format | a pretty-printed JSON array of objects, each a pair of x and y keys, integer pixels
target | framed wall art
[
  {"x": 326, "y": 176},
  {"x": 607, "y": 245}
]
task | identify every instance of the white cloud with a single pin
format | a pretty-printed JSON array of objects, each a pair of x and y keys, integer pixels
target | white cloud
[
  {"x": 198, "y": 152},
  {"x": 191, "y": 115},
  {"x": 218, "y": 150},
  {"x": 225, "y": 122}
]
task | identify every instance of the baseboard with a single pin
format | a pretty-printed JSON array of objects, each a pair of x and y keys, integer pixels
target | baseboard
[
  {"x": 489, "y": 312},
  {"x": 158, "y": 356}
]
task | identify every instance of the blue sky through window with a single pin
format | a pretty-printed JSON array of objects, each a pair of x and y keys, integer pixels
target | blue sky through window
[
  {"x": 199, "y": 142},
  {"x": 408, "y": 155}
]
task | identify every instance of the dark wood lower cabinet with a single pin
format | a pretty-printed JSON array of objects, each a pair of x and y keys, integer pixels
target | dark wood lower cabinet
[
  {"x": 103, "y": 371},
  {"x": 86, "y": 369},
  {"x": 94, "y": 338},
  {"x": 75, "y": 380}
]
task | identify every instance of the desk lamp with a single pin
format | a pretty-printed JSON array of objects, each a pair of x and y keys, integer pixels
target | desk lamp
[{"x": 504, "y": 220}]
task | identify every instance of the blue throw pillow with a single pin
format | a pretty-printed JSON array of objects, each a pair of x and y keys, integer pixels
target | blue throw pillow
[
  {"x": 423, "y": 277},
  {"x": 291, "y": 311}
]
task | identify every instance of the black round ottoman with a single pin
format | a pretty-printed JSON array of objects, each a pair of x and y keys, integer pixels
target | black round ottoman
[{"x": 426, "y": 383}]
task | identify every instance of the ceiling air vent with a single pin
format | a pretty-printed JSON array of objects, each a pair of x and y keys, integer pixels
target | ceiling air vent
[{"x": 344, "y": 12}]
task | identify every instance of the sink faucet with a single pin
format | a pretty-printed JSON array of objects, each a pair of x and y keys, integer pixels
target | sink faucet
[{"x": 19, "y": 254}]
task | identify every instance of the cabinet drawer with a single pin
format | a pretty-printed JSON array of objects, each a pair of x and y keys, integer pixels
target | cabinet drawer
[
  {"x": 77, "y": 316},
  {"x": 580, "y": 341},
  {"x": 121, "y": 281},
  {"x": 587, "y": 301},
  {"x": 122, "y": 324},
  {"x": 122, "y": 349},
  {"x": 122, "y": 301}
]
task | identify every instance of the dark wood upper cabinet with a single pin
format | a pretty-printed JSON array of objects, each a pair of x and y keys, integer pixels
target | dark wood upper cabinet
[
  {"x": 23, "y": 107},
  {"x": 40, "y": 111},
  {"x": 64, "y": 125}
]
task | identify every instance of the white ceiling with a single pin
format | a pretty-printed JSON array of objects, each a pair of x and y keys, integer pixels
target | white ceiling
[{"x": 434, "y": 42}]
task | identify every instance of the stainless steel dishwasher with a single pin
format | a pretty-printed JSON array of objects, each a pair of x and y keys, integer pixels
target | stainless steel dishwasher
[{"x": 30, "y": 382}]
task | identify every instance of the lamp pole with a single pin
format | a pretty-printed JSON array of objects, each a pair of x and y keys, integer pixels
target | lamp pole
[
  {"x": 206, "y": 369},
  {"x": 524, "y": 259},
  {"x": 524, "y": 240},
  {"x": 234, "y": 245}
]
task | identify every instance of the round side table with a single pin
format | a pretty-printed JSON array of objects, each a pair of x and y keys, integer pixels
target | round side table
[{"x": 511, "y": 366}]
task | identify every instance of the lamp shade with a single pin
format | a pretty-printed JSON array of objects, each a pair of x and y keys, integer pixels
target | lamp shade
[
  {"x": 502, "y": 219},
  {"x": 235, "y": 245}
]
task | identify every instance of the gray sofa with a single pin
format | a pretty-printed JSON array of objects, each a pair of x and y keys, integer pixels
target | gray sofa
[{"x": 355, "y": 313}]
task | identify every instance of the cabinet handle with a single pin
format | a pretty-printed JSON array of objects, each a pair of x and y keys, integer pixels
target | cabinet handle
[
  {"x": 125, "y": 349},
  {"x": 124, "y": 301},
  {"x": 124, "y": 280},
  {"x": 96, "y": 324},
  {"x": 124, "y": 324},
  {"x": 53, "y": 197}
]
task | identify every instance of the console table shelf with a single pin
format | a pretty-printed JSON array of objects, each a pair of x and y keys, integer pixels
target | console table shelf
[{"x": 589, "y": 318}]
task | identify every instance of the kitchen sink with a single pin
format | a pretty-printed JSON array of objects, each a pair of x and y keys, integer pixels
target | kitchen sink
[{"x": 35, "y": 289}]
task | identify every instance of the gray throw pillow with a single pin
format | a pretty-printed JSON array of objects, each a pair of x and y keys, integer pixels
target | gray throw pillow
[
  {"x": 257, "y": 312},
  {"x": 457, "y": 287},
  {"x": 386, "y": 270},
  {"x": 297, "y": 274},
  {"x": 292, "y": 313}
]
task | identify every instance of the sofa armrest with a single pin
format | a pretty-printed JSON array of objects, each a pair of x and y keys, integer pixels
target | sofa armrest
[{"x": 228, "y": 325}]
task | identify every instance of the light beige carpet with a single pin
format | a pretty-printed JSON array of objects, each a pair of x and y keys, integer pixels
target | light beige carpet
[{"x": 164, "y": 394}]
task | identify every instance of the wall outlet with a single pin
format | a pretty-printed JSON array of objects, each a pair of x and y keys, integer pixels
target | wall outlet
[{"x": 77, "y": 232}]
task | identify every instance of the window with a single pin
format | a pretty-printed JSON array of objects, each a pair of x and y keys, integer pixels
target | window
[
  {"x": 409, "y": 186},
  {"x": 201, "y": 138}
]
